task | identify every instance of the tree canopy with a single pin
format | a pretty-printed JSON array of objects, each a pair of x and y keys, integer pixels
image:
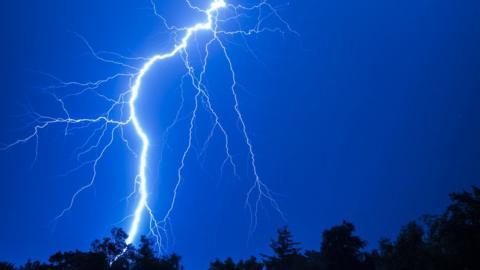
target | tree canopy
[{"x": 449, "y": 241}]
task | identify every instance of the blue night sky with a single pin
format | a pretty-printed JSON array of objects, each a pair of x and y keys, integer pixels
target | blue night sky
[{"x": 371, "y": 115}]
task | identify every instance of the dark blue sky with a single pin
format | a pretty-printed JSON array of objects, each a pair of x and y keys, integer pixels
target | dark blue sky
[{"x": 371, "y": 115}]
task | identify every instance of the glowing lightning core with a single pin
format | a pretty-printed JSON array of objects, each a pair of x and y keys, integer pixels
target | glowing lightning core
[
  {"x": 211, "y": 24},
  {"x": 142, "y": 204}
]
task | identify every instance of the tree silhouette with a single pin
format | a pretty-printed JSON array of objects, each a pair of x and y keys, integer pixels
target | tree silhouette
[
  {"x": 35, "y": 265},
  {"x": 455, "y": 235},
  {"x": 145, "y": 258},
  {"x": 77, "y": 260},
  {"x": 340, "y": 249},
  {"x": 450, "y": 241},
  {"x": 287, "y": 254},
  {"x": 250, "y": 264},
  {"x": 229, "y": 264},
  {"x": 6, "y": 266},
  {"x": 408, "y": 252}
]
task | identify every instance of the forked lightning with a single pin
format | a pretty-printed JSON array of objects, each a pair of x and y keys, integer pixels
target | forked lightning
[{"x": 108, "y": 126}]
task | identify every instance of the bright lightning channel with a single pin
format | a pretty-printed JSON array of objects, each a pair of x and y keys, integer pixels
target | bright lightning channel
[{"x": 115, "y": 127}]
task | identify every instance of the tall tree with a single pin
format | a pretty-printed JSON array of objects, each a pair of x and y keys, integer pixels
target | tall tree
[
  {"x": 146, "y": 259},
  {"x": 455, "y": 235},
  {"x": 287, "y": 255},
  {"x": 340, "y": 249},
  {"x": 408, "y": 252},
  {"x": 114, "y": 246}
]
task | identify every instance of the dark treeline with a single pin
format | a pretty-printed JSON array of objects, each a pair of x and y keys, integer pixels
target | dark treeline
[{"x": 450, "y": 241}]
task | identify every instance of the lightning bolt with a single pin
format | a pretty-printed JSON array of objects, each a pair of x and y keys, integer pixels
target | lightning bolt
[{"x": 108, "y": 126}]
